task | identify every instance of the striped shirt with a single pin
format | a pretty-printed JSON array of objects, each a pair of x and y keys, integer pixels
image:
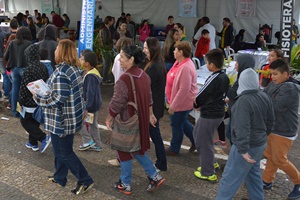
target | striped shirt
[{"x": 64, "y": 107}]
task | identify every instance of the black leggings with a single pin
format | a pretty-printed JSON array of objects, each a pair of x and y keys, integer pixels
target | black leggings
[{"x": 221, "y": 128}]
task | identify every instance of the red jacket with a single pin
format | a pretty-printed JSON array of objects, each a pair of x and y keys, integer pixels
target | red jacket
[
  {"x": 57, "y": 20},
  {"x": 202, "y": 47}
]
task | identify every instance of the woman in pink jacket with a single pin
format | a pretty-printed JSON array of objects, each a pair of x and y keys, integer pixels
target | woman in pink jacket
[
  {"x": 144, "y": 32},
  {"x": 181, "y": 90}
]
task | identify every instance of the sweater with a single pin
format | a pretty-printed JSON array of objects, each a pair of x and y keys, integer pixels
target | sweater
[
  {"x": 182, "y": 93},
  {"x": 122, "y": 94}
]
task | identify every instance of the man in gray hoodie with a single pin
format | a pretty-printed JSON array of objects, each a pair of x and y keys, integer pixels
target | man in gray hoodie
[{"x": 251, "y": 120}]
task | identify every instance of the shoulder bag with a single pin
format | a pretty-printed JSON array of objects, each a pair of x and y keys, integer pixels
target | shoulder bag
[{"x": 125, "y": 135}]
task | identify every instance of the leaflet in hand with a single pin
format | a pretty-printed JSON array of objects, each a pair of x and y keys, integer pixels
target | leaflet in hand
[
  {"x": 90, "y": 118},
  {"x": 39, "y": 87}
]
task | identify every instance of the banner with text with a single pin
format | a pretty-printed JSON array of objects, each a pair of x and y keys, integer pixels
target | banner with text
[
  {"x": 286, "y": 27},
  {"x": 47, "y": 6},
  {"x": 246, "y": 8},
  {"x": 86, "y": 33},
  {"x": 187, "y": 8}
]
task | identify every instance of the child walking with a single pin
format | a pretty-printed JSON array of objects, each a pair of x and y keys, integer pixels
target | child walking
[
  {"x": 92, "y": 96},
  {"x": 284, "y": 92}
]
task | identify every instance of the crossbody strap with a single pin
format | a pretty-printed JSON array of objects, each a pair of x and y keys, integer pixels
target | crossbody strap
[{"x": 133, "y": 88}]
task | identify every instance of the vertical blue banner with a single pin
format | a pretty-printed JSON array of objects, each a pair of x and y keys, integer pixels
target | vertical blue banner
[{"x": 86, "y": 33}]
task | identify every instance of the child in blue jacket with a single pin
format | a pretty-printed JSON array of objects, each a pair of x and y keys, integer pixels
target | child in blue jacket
[{"x": 92, "y": 96}]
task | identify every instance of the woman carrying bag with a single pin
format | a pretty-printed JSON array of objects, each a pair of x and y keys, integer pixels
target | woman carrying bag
[{"x": 138, "y": 91}]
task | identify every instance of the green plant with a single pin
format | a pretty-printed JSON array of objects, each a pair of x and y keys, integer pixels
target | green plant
[{"x": 295, "y": 60}]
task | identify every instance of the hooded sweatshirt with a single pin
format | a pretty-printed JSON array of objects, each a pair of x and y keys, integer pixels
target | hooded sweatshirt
[
  {"x": 244, "y": 61},
  {"x": 35, "y": 71},
  {"x": 50, "y": 43},
  {"x": 252, "y": 116},
  {"x": 92, "y": 90},
  {"x": 285, "y": 98}
]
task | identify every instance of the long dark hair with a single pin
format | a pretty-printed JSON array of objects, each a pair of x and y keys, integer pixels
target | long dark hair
[
  {"x": 23, "y": 33},
  {"x": 155, "y": 54},
  {"x": 133, "y": 51}
]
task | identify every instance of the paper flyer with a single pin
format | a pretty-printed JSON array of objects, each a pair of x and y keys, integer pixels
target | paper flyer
[
  {"x": 90, "y": 118},
  {"x": 39, "y": 87}
]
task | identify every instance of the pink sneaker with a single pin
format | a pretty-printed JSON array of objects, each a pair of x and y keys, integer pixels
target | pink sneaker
[{"x": 220, "y": 143}]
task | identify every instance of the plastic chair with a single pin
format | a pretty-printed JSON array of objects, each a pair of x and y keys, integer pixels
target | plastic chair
[
  {"x": 196, "y": 62},
  {"x": 233, "y": 56},
  {"x": 228, "y": 52}
]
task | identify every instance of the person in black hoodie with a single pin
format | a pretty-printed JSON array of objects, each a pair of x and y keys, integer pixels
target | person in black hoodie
[
  {"x": 244, "y": 61},
  {"x": 34, "y": 71},
  {"x": 49, "y": 42},
  {"x": 210, "y": 100}
]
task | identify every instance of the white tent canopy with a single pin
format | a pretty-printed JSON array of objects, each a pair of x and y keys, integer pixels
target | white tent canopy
[{"x": 157, "y": 11}]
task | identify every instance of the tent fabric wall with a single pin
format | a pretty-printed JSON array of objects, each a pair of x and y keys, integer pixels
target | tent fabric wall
[{"x": 157, "y": 11}]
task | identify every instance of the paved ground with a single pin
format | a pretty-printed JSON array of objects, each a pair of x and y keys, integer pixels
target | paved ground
[{"x": 23, "y": 173}]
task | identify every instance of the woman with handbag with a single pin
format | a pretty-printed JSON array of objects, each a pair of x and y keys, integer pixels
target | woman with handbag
[
  {"x": 64, "y": 113},
  {"x": 132, "y": 88}
]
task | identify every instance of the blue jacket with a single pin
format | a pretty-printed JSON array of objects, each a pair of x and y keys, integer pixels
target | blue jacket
[{"x": 92, "y": 90}]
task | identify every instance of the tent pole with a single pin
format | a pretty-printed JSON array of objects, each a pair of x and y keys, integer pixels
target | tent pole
[
  {"x": 204, "y": 9},
  {"x": 122, "y": 5}
]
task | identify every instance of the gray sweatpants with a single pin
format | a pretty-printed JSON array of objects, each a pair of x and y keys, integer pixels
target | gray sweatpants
[
  {"x": 203, "y": 135},
  {"x": 90, "y": 132}
]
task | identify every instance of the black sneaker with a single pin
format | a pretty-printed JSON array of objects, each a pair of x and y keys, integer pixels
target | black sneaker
[
  {"x": 155, "y": 183},
  {"x": 81, "y": 189},
  {"x": 267, "y": 186},
  {"x": 126, "y": 189},
  {"x": 51, "y": 178},
  {"x": 295, "y": 194}
]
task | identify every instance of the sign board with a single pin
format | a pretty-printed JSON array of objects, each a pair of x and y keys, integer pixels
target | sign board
[
  {"x": 86, "y": 33},
  {"x": 286, "y": 27}
]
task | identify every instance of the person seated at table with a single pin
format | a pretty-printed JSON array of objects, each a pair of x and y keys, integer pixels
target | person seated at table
[
  {"x": 181, "y": 30},
  {"x": 260, "y": 42},
  {"x": 262, "y": 31},
  {"x": 239, "y": 42},
  {"x": 266, "y": 78},
  {"x": 202, "y": 46}
]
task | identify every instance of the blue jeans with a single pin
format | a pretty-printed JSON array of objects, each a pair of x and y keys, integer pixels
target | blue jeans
[
  {"x": 238, "y": 170},
  {"x": 168, "y": 66},
  {"x": 17, "y": 74},
  {"x": 6, "y": 84},
  {"x": 161, "y": 162},
  {"x": 180, "y": 126},
  {"x": 66, "y": 159},
  {"x": 144, "y": 161}
]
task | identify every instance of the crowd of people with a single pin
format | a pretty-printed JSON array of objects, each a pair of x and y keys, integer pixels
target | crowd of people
[{"x": 261, "y": 122}]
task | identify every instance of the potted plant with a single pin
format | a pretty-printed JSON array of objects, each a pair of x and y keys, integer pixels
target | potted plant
[{"x": 295, "y": 62}]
